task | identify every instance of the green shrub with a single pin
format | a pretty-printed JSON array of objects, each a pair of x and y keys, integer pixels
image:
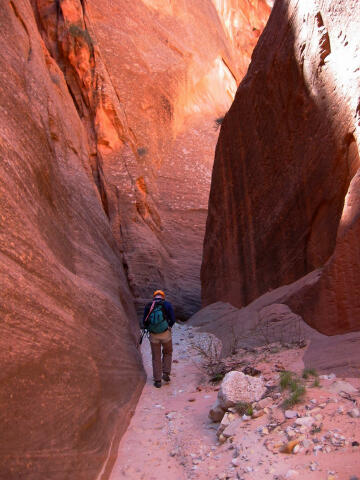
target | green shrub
[
  {"x": 217, "y": 377},
  {"x": 316, "y": 382},
  {"x": 289, "y": 380},
  {"x": 286, "y": 378},
  {"x": 244, "y": 408},
  {"x": 309, "y": 372},
  {"x": 297, "y": 394}
]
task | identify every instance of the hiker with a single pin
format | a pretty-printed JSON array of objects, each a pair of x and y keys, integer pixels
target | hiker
[{"x": 158, "y": 319}]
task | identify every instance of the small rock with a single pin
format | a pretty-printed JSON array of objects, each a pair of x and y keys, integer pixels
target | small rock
[
  {"x": 258, "y": 413},
  {"x": 265, "y": 402},
  {"x": 232, "y": 428},
  {"x": 305, "y": 421},
  {"x": 289, "y": 447},
  {"x": 340, "y": 410},
  {"x": 306, "y": 443},
  {"x": 222, "y": 439},
  {"x": 296, "y": 448},
  {"x": 171, "y": 415},
  {"x": 291, "y": 474},
  {"x": 313, "y": 466},
  {"x": 216, "y": 413},
  {"x": 341, "y": 386},
  {"x": 291, "y": 414},
  {"x": 225, "y": 422},
  {"x": 355, "y": 444},
  {"x": 354, "y": 413},
  {"x": 263, "y": 431},
  {"x": 236, "y": 461},
  {"x": 238, "y": 387}
]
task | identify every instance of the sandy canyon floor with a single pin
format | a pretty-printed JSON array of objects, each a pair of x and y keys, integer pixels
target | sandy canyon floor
[{"x": 171, "y": 436}]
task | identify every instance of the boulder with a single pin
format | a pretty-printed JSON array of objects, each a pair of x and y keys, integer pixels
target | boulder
[
  {"x": 216, "y": 412},
  {"x": 238, "y": 387}
]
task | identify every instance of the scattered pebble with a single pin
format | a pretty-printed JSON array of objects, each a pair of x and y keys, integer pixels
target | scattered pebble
[
  {"x": 291, "y": 474},
  {"x": 354, "y": 413},
  {"x": 291, "y": 414}
]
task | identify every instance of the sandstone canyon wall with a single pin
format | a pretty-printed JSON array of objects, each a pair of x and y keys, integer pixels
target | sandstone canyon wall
[
  {"x": 149, "y": 79},
  {"x": 70, "y": 370},
  {"x": 106, "y": 136},
  {"x": 285, "y": 197}
]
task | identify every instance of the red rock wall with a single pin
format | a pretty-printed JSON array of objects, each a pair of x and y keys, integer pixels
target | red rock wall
[
  {"x": 281, "y": 202},
  {"x": 149, "y": 79},
  {"x": 70, "y": 371},
  {"x": 107, "y": 129}
]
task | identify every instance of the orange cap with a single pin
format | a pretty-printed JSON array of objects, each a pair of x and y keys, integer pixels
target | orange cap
[{"x": 159, "y": 292}]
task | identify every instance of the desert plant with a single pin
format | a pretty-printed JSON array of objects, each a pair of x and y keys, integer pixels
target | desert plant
[
  {"x": 309, "y": 372},
  {"x": 211, "y": 352},
  {"x": 297, "y": 394},
  {"x": 244, "y": 408},
  {"x": 217, "y": 377},
  {"x": 316, "y": 382},
  {"x": 290, "y": 381},
  {"x": 286, "y": 378}
]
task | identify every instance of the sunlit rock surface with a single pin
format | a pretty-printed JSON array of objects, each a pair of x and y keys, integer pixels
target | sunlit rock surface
[
  {"x": 107, "y": 129},
  {"x": 150, "y": 79},
  {"x": 284, "y": 198},
  {"x": 70, "y": 371}
]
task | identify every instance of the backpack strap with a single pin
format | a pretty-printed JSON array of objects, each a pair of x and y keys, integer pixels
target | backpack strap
[{"x": 151, "y": 309}]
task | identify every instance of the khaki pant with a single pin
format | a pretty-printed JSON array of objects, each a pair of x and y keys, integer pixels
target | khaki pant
[{"x": 158, "y": 340}]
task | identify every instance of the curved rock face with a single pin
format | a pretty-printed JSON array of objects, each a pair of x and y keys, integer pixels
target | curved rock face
[
  {"x": 149, "y": 79},
  {"x": 70, "y": 370},
  {"x": 106, "y": 134},
  {"x": 284, "y": 196}
]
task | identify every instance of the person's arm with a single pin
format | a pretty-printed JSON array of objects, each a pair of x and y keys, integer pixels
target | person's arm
[
  {"x": 146, "y": 311},
  {"x": 170, "y": 314}
]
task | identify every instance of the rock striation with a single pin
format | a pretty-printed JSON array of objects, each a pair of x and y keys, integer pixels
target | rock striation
[
  {"x": 70, "y": 370},
  {"x": 107, "y": 129},
  {"x": 149, "y": 89},
  {"x": 284, "y": 198}
]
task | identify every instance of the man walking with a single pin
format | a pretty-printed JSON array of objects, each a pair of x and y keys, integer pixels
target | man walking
[{"x": 158, "y": 319}]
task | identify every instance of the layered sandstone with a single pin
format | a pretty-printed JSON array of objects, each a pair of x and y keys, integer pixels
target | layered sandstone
[
  {"x": 149, "y": 79},
  {"x": 284, "y": 198},
  {"x": 70, "y": 370},
  {"x": 106, "y": 136}
]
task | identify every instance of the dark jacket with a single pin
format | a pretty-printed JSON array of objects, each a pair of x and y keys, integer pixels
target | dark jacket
[{"x": 169, "y": 312}]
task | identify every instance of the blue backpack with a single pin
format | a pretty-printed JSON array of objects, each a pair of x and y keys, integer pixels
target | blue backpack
[{"x": 157, "y": 322}]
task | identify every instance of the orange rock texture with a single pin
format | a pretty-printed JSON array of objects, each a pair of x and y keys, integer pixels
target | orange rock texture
[
  {"x": 71, "y": 373},
  {"x": 149, "y": 79},
  {"x": 285, "y": 198},
  {"x": 106, "y": 133}
]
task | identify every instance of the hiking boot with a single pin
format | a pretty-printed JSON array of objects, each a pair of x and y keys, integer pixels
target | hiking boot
[
  {"x": 157, "y": 384},
  {"x": 166, "y": 377}
]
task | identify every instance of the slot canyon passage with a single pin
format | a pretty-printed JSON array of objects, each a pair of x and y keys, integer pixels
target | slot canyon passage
[{"x": 110, "y": 114}]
